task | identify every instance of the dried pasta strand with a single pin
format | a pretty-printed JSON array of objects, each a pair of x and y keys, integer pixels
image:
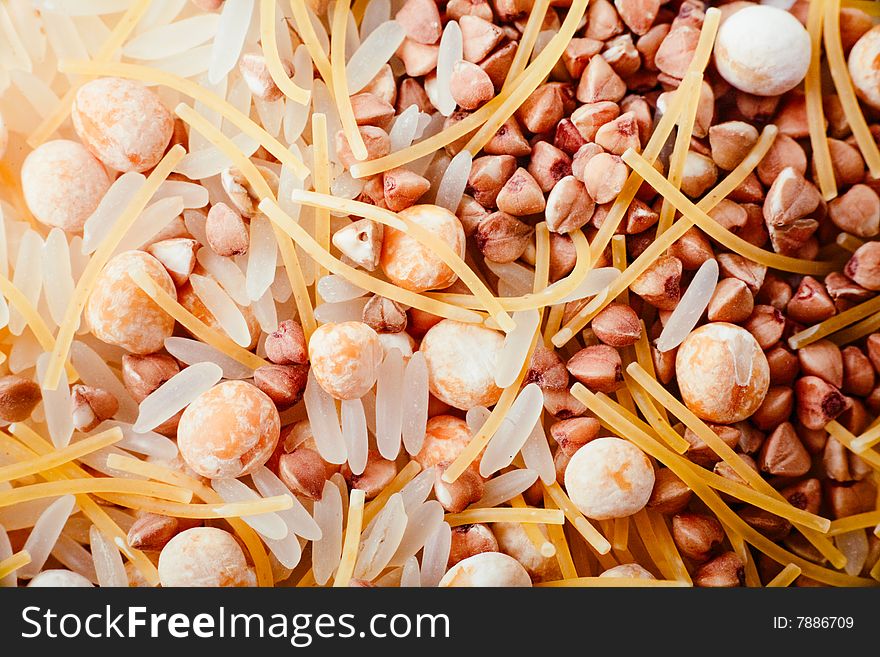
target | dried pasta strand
[
  {"x": 602, "y": 406},
  {"x": 557, "y": 537},
  {"x": 352, "y": 539},
  {"x": 584, "y": 527},
  {"x": 716, "y": 231},
  {"x": 205, "y": 511},
  {"x": 321, "y": 182},
  {"x": 670, "y": 550},
  {"x": 646, "y": 532},
  {"x": 340, "y": 81},
  {"x": 742, "y": 551},
  {"x": 527, "y": 42},
  {"x": 646, "y": 259},
  {"x": 843, "y": 436},
  {"x": 870, "y": 7},
  {"x": 620, "y": 538},
  {"x": 505, "y": 514},
  {"x": 258, "y": 183},
  {"x": 306, "y": 31},
  {"x": 120, "y": 33},
  {"x": 611, "y": 582},
  {"x": 833, "y": 324},
  {"x": 679, "y": 154},
  {"x": 193, "y": 324},
  {"x": 856, "y": 331},
  {"x": 273, "y": 61},
  {"x": 61, "y": 456},
  {"x": 867, "y": 440},
  {"x": 13, "y": 563},
  {"x": 37, "y": 445},
  {"x": 659, "y": 423},
  {"x": 543, "y": 546},
  {"x": 358, "y": 8},
  {"x": 207, "y": 494},
  {"x": 790, "y": 573},
  {"x": 93, "y": 485},
  {"x": 815, "y": 111},
  {"x": 523, "y": 85},
  {"x": 483, "y": 295},
  {"x": 101, "y": 256},
  {"x": 358, "y": 277},
  {"x": 844, "y": 86},
  {"x": 850, "y": 523},
  {"x": 194, "y": 91},
  {"x": 643, "y": 355}
]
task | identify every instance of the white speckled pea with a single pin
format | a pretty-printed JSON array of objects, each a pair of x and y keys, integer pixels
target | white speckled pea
[
  {"x": 63, "y": 183},
  {"x": 59, "y": 578},
  {"x": 609, "y": 478},
  {"x": 204, "y": 556},
  {"x": 122, "y": 123},
  {"x": 462, "y": 361},
  {"x": 345, "y": 358},
  {"x": 762, "y": 50},
  {"x": 864, "y": 67},
  {"x": 228, "y": 431},
  {"x": 119, "y": 312},
  {"x": 487, "y": 569},
  {"x": 630, "y": 570}
]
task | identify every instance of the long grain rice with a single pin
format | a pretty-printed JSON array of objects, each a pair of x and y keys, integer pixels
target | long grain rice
[
  {"x": 42, "y": 538},
  {"x": 172, "y": 39},
  {"x": 321, "y": 409},
  {"x": 416, "y": 491},
  {"x": 410, "y": 577},
  {"x": 449, "y": 54},
  {"x": 327, "y": 550},
  {"x": 235, "y": 19},
  {"x": 372, "y": 54},
  {"x": 115, "y": 200},
  {"x": 109, "y": 568},
  {"x": 192, "y": 195},
  {"x": 537, "y": 456},
  {"x": 435, "y": 555},
  {"x": 500, "y": 489},
  {"x": 263, "y": 252},
  {"x": 94, "y": 371},
  {"x": 382, "y": 539},
  {"x": 415, "y": 403},
  {"x": 226, "y": 272},
  {"x": 269, "y": 525},
  {"x": 404, "y": 129},
  {"x": 855, "y": 547},
  {"x": 354, "y": 431},
  {"x": 176, "y": 394},
  {"x": 691, "y": 306},
  {"x": 375, "y": 13},
  {"x": 151, "y": 221},
  {"x": 148, "y": 443},
  {"x": 452, "y": 185},
  {"x": 421, "y": 525},
  {"x": 514, "y": 430},
  {"x": 297, "y": 518},
  {"x": 345, "y": 311},
  {"x": 75, "y": 557},
  {"x": 516, "y": 347},
  {"x": 223, "y": 308},
  {"x": 28, "y": 276},
  {"x": 57, "y": 270},
  {"x": 57, "y": 405}
]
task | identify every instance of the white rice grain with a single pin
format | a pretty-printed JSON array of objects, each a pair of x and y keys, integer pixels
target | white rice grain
[
  {"x": 56, "y": 268},
  {"x": 186, "y": 64},
  {"x": 335, "y": 289},
  {"x": 516, "y": 347},
  {"x": 40, "y": 96},
  {"x": 265, "y": 312},
  {"x": 422, "y": 524},
  {"x": 344, "y": 311},
  {"x": 262, "y": 257},
  {"x": 536, "y": 455},
  {"x": 28, "y": 276},
  {"x": 57, "y": 405},
  {"x": 381, "y": 539},
  {"x": 191, "y": 352},
  {"x": 404, "y": 129},
  {"x": 42, "y": 538},
  {"x": 500, "y": 489},
  {"x": 690, "y": 307},
  {"x": 415, "y": 403},
  {"x": 101, "y": 221},
  {"x": 94, "y": 371},
  {"x": 176, "y": 394},
  {"x": 594, "y": 283},
  {"x": 223, "y": 308},
  {"x": 109, "y": 568},
  {"x": 435, "y": 556},
  {"x": 327, "y": 550},
  {"x": 297, "y": 518},
  {"x": 452, "y": 185},
  {"x": 172, "y": 39},
  {"x": 450, "y": 52},
  {"x": 855, "y": 547},
  {"x": 417, "y": 491},
  {"x": 269, "y": 525},
  {"x": 375, "y": 13},
  {"x": 148, "y": 443},
  {"x": 75, "y": 557},
  {"x": 151, "y": 221},
  {"x": 373, "y": 53},
  {"x": 410, "y": 576},
  {"x": 226, "y": 273},
  {"x": 210, "y": 161},
  {"x": 354, "y": 431},
  {"x": 235, "y": 19},
  {"x": 193, "y": 195},
  {"x": 514, "y": 430},
  {"x": 321, "y": 410}
]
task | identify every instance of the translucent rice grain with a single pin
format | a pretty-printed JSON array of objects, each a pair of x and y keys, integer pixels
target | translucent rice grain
[
  {"x": 265, "y": 312},
  {"x": 172, "y": 39},
  {"x": 297, "y": 518},
  {"x": 192, "y": 63},
  {"x": 435, "y": 556},
  {"x": 93, "y": 31},
  {"x": 64, "y": 38},
  {"x": 5, "y": 552},
  {"x": 28, "y": 25},
  {"x": 57, "y": 405},
  {"x": 369, "y": 402},
  {"x": 263, "y": 252},
  {"x": 404, "y": 129},
  {"x": 352, "y": 38},
  {"x": 80, "y": 8},
  {"x": 422, "y": 523},
  {"x": 4, "y": 312},
  {"x": 192, "y": 195},
  {"x": 690, "y": 308},
  {"x": 855, "y": 547},
  {"x": 269, "y": 525},
  {"x": 376, "y": 13},
  {"x": 74, "y": 557},
  {"x": 335, "y": 289},
  {"x": 520, "y": 279},
  {"x": 271, "y": 114},
  {"x": 235, "y": 19},
  {"x": 382, "y": 539},
  {"x": 280, "y": 288},
  {"x": 345, "y": 311},
  {"x": 287, "y": 551},
  {"x": 23, "y": 355},
  {"x": 28, "y": 277},
  {"x": 42, "y": 538},
  {"x": 516, "y": 347},
  {"x": 454, "y": 181},
  {"x": 24, "y": 514},
  {"x": 345, "y": 186},
  {"x": 109, "y": 568},
  {"x": 323, "y": 103},
  {"x": 417, "y": 491},
  {"x": 373, "y": 53},
  {"x": 389, "y": 409},
  {"x": 161, "y": 12},
  {"x": 415, "y": 403},
  {"x": 40, "y": 96},
  {"x": 101, "y": 221},
  {"x": 56, "y": 268},
  {"x": 94, "y": 371},
  {"x": 500, "y": 489},
  {"x": 321, "y": 410},
  {"x": 354, "y": 431},
  {"x": 226, "y": 272},
  {"x": 176, "y": 394},
  {"x": 327, "y": 550},
  {"x": 222, "y": 307},
  {"x": 514, "y": 430},
  {"x": 147, "y": 443},
  {"x": 210, "y": 161},
  {"x": 295, "y": 115},
  {"x": 150, "y": 222},
  {"x": 536, "y": 455},
  {"x": 450, "y": 52},
  {"x": 596, "y": 281},
  {"x": 476, "y": 417},
  {"x": 409, "y": 575}
]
